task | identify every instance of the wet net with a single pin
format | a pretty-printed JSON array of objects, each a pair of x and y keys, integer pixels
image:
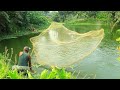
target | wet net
[{"x": 59, "y": 46}]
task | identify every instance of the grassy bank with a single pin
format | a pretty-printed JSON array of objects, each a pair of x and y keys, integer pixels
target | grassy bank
[
  {"x": 15, "y": 35},
  {"x": 23, "y": 31},
  {"x": 85, "y": 22}
]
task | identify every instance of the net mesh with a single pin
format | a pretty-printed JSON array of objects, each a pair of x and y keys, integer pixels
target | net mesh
[{"x": 59, "y": 46}]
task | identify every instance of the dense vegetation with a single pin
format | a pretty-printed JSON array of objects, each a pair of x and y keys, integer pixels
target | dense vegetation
[
  {"x": 111, "y": 18},
  {"x": 21, "y": 21}
]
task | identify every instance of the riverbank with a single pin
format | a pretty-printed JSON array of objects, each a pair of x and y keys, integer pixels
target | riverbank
[
  {"x": 21, "y": 31},
  {"x": 15, "y": 35},
  {"x": 86, "y": 22}
]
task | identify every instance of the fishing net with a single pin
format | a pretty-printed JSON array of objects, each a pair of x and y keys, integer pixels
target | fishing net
[{"x": 59, "y": 46}]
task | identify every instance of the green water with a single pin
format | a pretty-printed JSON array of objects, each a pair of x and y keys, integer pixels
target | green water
[
  {"x": 101, "y": 64},
  {"x": 17, "y": 44}
]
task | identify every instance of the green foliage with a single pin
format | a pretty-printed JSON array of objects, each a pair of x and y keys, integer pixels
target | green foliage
[
  {"x": 44, "y": 74},
  {"x": 18, "y": 21},
  {"x": 118, "y": 30},
  {"x": 22, "y": 21},
  {"x": 13, "y": 74},
  {"x": 117, "y": 34},
  {"x": 29, "y": 75},
  {"x": 118, "y": 48},
  {"x": 4, "y": 22},
  {"x": 118, "y": 39},
  {"x": 3, "y": 68},
  {"x": 103, "y": 16},
  {"x": 56, "y": 18},
  {"x": 5, "y": 59},
  {"x": 36, "y": 18},
  {"x": 56, "y": 73}
]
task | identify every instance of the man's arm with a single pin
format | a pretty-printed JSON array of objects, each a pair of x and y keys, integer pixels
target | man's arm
[
  {"x": 29, "y": 63},
  {"x": 30, "y": 66}
]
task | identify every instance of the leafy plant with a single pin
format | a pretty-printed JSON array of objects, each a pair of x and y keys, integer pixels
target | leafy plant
[
  {"x": 118, "y": 48},
  {"x": 13, "y": 74},
  {"x": 3, "y": 69},
  {"x": 29, "y": 75},
  {"x": 44, "y": 74},
  {"x": 55, "y": 73}
]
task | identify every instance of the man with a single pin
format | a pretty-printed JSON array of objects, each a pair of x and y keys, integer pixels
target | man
[{"x": 24, "y": 62}]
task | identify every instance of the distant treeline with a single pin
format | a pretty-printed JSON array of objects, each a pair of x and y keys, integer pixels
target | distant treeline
[
  {"x": 16, "y": 21},
  {"x": 111, "y": 18}
]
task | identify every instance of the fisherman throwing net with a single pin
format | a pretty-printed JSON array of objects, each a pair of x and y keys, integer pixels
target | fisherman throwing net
[{"x": 59, "y": 46}]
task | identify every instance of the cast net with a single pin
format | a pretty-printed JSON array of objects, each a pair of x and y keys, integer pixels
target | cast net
[{"x": 59, "y": 46}]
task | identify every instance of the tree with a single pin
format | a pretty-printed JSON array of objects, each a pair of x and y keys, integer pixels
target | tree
[{"x": 4, "y": 22}]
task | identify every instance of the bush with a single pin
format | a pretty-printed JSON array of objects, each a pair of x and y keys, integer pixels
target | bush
[{"x": 56, "y": 73}]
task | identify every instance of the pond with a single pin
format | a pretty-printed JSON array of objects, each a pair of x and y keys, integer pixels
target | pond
[{"x": 101, "y": 64}]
